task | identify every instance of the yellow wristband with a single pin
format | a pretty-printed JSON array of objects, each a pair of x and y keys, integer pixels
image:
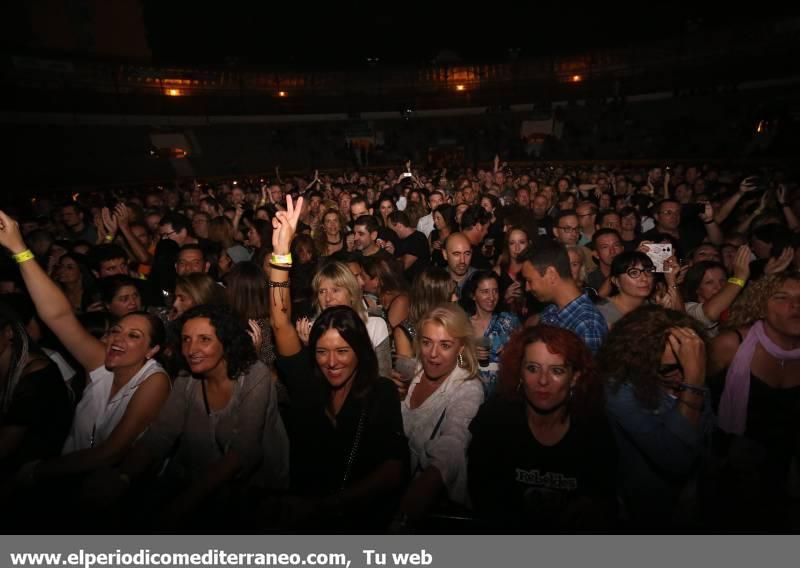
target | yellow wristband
[
  {"x": 281, "y": 259},
  {"x": 109, "y": 238},
  {"x": 738, "y": 281},
  {"x": 24, "y": 256}
]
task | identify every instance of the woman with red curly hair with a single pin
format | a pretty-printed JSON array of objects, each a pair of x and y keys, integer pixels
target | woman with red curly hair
[{"x": 542, "y": 453}]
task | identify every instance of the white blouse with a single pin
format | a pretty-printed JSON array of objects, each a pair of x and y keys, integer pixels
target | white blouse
[
  {"x": 96, "y": 416},
  {"x": 438, "y": 429}
]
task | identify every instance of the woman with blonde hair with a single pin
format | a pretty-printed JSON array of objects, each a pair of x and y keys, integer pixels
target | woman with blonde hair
[
  {"x": 193, "y": 290},
  {"x": 433, "y": 286},
  {"x": 443, "y": 398},
  {"x": 329, "y": 238},
  {"x": 335, "y": 285}
]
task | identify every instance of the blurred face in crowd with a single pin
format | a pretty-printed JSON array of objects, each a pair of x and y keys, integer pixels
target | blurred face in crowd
[
  {"x": 125, "y": 301},
  {"x": 201, "y": 347},
  {"x": 344, "y": 201},
  {"x": 314, "y": 205},
  {"x": 152, "y": 221},
  {"x": 67, "y": 271},
  {"x": 439, "y": 222},
  {"x": 358, "y": 209},
  {"x": 607, "y": 248},
  {"x": 386, "y": 208},
  {"x": 637, "y": 282},
  {"x": 112, "y": 267},
  {"x": 363, "y": 239},
  {"x": 575, "y": 264},
  {"x": 783, "y": 310},
  {"x": 458, "y": 254},
  {"x": 329, "y": 294},
  {"x": 276, "y": 193},
  {"x": 253, "y": 238},
  {"x": 523, "y": 198},
  {"x": 713, "y": 281},
  {"x": 358, "y": 272},
  {"x": 540, "y": 285},
  {"x": 436, "y": 200},
  {"x": 304, "y": 254},
  {"x": 349, "y": 242},
  {"x": 153, "y": 201},
  {"x": 237, "y": 196},
  {"x": 517, "y": 243},
  {"x": 140, "y": 234},
  {"x": 706, "y": 252},
  {"x": 190, "y": 261},
  {"x": 200, "y": 225},
  {"x": 683, "y": 193},
  {"x": 183, "y": 301},
  {"x": 586, "y": 217},
  {"x": 487, "y": 205},
  {"x": 438, "y": 350},
  {"x": 487, "y": 295},
  {"x": 546, "y": 377},
  {"x": 611, "y": 221},
  {"x": 331, "y": 224},
  {"x": 728, "y": 253},
  {"x": 540, "y": 206},
  {"x": 167, "y": 232},
  {"x": 605, "y": 201},
  {"x": 336, "y": 359},
  {"x": 71, "y": 217},
  {"x": 629, "y": 222},
  {"x": 128, "y": 343},
  {"x": 567, "y": 231},
  {"x": 669, "y": 216},
  {"x": 460, "y": 211}
]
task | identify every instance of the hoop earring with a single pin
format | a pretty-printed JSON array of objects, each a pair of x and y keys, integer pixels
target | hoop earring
[{"x": 460, "y": 360}]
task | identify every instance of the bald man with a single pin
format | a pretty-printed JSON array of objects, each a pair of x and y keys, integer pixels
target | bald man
[{"x": 457, "y": 252}]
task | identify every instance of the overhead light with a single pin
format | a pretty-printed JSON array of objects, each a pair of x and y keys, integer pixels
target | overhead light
[
  {"x": 174, "y": 92},
  {"x": 576, "y": 78},
  {"x": 460, "y": 87},
  {"x": 281, "y": 93}
]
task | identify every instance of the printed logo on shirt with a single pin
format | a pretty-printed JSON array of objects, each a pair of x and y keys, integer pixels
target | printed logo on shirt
[{"x": 549, "y": 480}]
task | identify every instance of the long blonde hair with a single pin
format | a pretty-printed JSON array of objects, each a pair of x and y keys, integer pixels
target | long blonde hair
[
  {"x": 341, "y": 276},
  {"x": 455, "y": 321}
]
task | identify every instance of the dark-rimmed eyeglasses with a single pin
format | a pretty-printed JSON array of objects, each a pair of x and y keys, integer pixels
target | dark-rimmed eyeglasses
[{"x": 636, "y": 272}]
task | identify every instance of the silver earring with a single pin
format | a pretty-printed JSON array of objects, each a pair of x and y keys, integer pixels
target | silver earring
[{"x": 460, "y": 360}]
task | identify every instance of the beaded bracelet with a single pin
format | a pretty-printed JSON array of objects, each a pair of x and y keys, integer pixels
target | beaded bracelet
[{"x": 273, "y": 284}]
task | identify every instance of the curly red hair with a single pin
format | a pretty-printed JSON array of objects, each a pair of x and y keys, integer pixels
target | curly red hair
[{"x": 587, "y": 398}]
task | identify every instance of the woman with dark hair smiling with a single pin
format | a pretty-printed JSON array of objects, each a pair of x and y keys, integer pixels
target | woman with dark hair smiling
[
  {"x": 349, "y": 456},
  {"x": 542, "y": 455},
  {"x": 227, "y": 397},
  {"x": 126, "y": 386}
]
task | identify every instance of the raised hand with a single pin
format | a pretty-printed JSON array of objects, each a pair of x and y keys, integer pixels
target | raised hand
[
  {"x": 741, "y": 263},
  {"x": 284, "y": 225},
  {"x": 123, "y": 215},
  {"x": 109, "y": 222},
  {"x": 748, "y": 185},
  {"x": 708, "y": 213},
  {"x": 690, "y": 350},
  {"x": 10, "y": 235},
  {"x": 303, "y": 327},
  {"x": 781, "y": 263},
  {"x": 255, "y": 334}
]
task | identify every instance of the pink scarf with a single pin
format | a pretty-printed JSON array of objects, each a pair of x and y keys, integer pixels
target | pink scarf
[{"x": 735, "y": 396}]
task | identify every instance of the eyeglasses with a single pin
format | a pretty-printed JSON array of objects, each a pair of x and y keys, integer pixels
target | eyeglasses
[
  {"x": 163, "y": 236},
  {"x": 569, "y": 229},
  {"x": 636, "y": 272}
]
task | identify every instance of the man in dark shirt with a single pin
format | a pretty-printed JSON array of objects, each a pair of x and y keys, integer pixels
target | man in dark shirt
[
  {"x": 412, "y": 247},
  {"x": 475, "y": 224},
  {"x": 75, "y": 221},
  {"x": 365, "y": 237},
  {"x": 668, "y": 215}
]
